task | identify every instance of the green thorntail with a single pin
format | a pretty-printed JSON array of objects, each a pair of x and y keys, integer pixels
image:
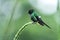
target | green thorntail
[{"x": 36, "y": 18}]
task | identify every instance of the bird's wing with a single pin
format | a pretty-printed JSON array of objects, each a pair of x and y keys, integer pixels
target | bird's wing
[
  {"x": 41, "y": 22},
  {"x": 33, "y": 19}
]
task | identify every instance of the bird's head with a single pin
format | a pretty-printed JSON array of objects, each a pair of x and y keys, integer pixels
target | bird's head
[{"x": 30, "y": 11}]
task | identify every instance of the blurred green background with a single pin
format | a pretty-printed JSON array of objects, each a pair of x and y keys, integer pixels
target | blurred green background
[{"x": 14, "y": 14}]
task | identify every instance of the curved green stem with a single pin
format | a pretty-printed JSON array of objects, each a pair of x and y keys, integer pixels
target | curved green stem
[{"x": 21, "y": 29}]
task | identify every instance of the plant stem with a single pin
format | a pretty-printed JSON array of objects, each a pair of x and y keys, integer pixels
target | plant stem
[{"x": 21, "y": 29}]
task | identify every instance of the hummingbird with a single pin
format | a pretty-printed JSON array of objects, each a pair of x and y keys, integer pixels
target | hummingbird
[{"x": 37, "y": 18}]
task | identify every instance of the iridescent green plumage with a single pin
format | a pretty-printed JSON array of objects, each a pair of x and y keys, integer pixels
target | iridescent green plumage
[
  {"x": 36, "y": 18},
  {"x": 33, "y": 17}
]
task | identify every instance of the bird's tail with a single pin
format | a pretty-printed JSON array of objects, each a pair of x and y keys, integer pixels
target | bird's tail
[
  {"x": 41, "y": 22},
  {"x": 47, "y": 26}
]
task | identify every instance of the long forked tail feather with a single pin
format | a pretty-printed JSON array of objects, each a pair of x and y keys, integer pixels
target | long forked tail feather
[{"x": 47, "y": 26}]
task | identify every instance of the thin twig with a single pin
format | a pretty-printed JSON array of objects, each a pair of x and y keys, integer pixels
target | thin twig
[{"x": 21, "y": 29}]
